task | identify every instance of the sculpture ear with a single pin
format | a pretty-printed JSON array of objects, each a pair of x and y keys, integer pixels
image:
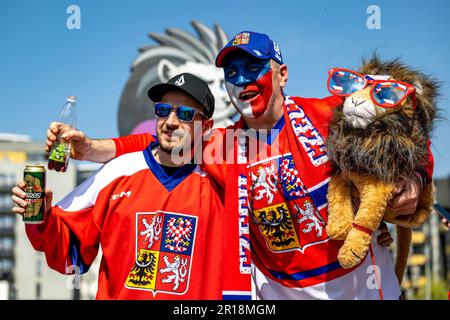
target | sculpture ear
[
  {"x": 418, "y": 86},
  {"x": 166, "y": 70}
]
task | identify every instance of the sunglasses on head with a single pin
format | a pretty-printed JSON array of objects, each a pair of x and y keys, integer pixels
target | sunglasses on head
[
  {"x": 184, "y": 113},
  {"x": 384, "y": 93}
]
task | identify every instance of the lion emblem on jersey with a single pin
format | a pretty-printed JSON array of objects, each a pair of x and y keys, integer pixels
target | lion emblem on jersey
[
  {"x": 311, "y": 217},
  {"x": 152, "y": 230},
  {"x": 264, "y": 183},
  {"x": 178, "y": 51},
  {"x": 177, "y": 271},
  {"x": 164, "y": 247}
]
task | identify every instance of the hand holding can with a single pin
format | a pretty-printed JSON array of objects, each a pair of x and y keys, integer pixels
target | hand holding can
[{"x": 30, "y": 196}]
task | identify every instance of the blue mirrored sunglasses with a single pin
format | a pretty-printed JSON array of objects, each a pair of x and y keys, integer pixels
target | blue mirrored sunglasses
[{"x": 184, "y": 113}]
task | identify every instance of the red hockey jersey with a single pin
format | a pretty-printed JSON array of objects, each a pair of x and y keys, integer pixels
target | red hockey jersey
[{"x": 161, "y": 235}]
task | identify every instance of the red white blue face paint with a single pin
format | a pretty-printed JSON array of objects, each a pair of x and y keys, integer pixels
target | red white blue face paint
[{"x": 248, "y": 81}]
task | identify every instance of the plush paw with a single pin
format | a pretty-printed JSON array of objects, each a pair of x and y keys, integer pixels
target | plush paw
[
  {"x": 338, "y": 231},
  {"x": 354, "y": 249}
]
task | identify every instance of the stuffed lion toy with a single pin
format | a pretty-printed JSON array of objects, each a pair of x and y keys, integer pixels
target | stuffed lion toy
[{"x": 377, "y": 137}]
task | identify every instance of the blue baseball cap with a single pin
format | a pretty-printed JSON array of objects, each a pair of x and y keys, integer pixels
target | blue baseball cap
[{"x": 258, "y": 45}]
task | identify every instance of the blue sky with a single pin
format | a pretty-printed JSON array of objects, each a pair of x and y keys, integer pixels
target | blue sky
[{"x": 42, "y": 61}]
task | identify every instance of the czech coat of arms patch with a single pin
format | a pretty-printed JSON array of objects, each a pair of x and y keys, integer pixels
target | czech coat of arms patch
[{"x": 164, "y": 249}]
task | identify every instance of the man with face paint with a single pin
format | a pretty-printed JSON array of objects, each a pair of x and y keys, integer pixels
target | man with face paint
[
  {"x": 292, "y": 257},
  {"x": 249, "y": 84},
  {"x": 255, "y": 76},
  {"x": 279, "y": 193}
]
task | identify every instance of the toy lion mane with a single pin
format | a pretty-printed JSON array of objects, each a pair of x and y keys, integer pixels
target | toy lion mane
[{"x": 394, "y": 145}]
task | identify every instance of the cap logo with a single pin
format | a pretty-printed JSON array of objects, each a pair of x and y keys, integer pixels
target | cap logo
[
  {"x": 259, "y": 54},
  {"x": 241, "y": 38},
  {"x": 180, "y": 81},
  {"x": 276, "y": 48}
]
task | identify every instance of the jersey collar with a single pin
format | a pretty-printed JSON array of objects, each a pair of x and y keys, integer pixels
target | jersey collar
[{"x": 170, "y": 182}]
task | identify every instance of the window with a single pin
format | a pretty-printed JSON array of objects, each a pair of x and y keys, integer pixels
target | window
[
  {"x": 7, "y": 181},
  {"x": 6, "y": 265},
  {"x": 6, "y": 244},
  {"x": 7, "y": 222},
  {"x": 5, "y": 203}
]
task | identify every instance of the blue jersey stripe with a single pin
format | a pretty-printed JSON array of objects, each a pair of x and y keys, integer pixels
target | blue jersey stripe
[
  {"x": 236, "y": 297},
  {"x": 75, "y": 255},
  {"x": 319, "y": 195},
  {"x": 306, "y": 274}
]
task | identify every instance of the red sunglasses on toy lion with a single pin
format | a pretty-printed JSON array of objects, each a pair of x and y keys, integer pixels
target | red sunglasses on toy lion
[{"x": 384, "y": 93}]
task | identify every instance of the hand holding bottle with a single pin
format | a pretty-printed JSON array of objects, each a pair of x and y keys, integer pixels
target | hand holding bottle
[
  {"x": 81, "y": 145},
  {"x": 60, "y": 152}
]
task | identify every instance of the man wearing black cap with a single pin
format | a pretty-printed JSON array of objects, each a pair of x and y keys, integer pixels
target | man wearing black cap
[
  {"x": 159, "y": 222},
  {"x": 191, "y": 100}
]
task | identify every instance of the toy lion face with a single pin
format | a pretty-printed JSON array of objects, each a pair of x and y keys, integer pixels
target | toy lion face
[
  {"x": 388, "y": 143},
  {"x": 427, "y": 91}
]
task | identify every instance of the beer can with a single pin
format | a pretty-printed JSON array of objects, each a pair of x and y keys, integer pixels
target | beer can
[{"x": 34, "y": 177}]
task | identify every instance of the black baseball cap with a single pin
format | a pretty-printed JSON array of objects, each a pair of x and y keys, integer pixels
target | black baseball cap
[{"x": 188, "y": 83}]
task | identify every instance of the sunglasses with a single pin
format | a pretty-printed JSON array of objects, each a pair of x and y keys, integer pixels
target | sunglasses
[
  {"x": 384, "y": 93},
  {"x": 184, "y": 113}
]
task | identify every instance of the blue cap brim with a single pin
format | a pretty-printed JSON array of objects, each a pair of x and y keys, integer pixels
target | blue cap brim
[{"x": 227, "y": 50}]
